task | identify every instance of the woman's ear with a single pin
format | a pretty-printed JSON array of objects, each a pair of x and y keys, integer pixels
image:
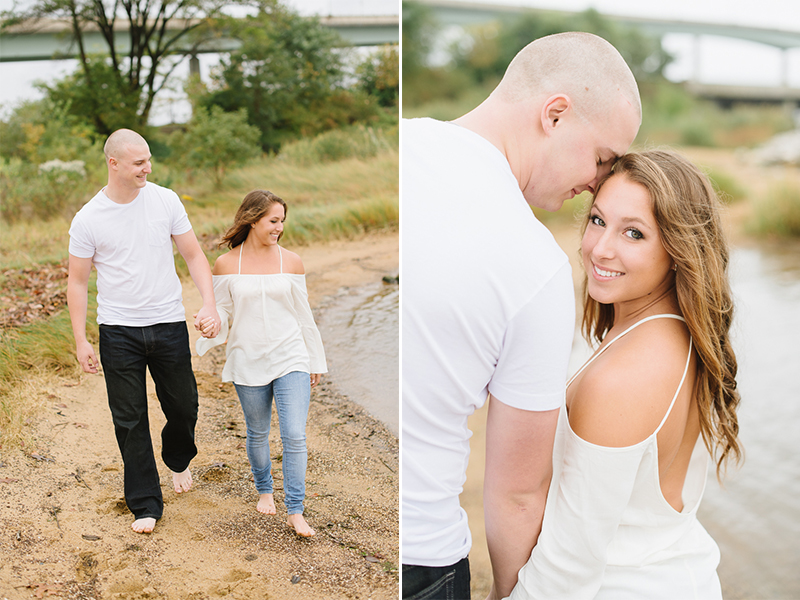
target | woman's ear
[{"x": 553, "y": 110}]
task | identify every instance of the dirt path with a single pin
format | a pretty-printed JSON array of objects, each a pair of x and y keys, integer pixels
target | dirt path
[{"x": 65, "y": 530}]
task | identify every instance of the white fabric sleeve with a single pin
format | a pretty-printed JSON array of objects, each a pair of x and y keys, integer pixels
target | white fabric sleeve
[
  {"x": 581, "y": 520},
  {"x": 222, "y": 295},
  {"x": 311, "y": 336},
  {"x": 80, "y": 242},
  {"x": 531, "y": 371},
  {"x": 180, "y": 220}
]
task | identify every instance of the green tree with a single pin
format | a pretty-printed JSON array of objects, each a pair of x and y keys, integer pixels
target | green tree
[
  {"x": 495, "y": 44},
  {"x": 419, "y": 34},
  {"x": 218, "y": 140},
  {"x": 288, "y": 73},
  {"x": 379, "y": 75},
  {"x": 122, "y": 84}
]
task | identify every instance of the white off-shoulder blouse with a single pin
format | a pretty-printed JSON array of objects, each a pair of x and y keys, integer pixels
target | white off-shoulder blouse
[{"x": 268, "y": 325}]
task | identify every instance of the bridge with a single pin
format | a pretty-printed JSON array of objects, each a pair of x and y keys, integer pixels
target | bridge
[
  {"x": 52, "y": 39},
  {"x": 466, "y": 13}
]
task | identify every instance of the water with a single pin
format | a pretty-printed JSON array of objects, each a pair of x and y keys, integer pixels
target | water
[
  {"x": 360, "y": 330},
  {"x": 755, "y": 517}
]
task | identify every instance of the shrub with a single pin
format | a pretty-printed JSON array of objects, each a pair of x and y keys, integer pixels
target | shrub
[
  {"x": 338, "y": 144},
  {"x": 45, "y": 191},
  {"x": 779, "y": 213},
  {"x": 727, "y": 187},
  {"x": 218, "y": 140}
]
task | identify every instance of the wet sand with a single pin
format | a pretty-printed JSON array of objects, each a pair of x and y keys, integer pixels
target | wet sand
[{"x": 65, "y": 530}]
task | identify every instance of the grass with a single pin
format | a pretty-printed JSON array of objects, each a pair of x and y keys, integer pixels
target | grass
[
  {"x": 30, "y": 356},
  {"x": 778, "y": 213},
  {"x": 728, "y": 187},
  {"x": 449, "y": 109}
]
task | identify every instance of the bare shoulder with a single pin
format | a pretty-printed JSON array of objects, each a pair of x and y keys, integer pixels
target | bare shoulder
[
  {"x": 292, "y": 263},
  {"x": 227, "y": 263},
  {"x": 625, "y": 393}
]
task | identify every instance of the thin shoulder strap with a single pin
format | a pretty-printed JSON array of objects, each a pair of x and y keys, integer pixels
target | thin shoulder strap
[
  {"x": 680, "y": 385},
  {"x": 240, "y": 257},
  {"x": 280, "y": 253},
  {"x": 632, "y": 327}
]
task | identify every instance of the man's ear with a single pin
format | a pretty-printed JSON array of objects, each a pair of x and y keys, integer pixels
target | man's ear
[{"x": 553, "y": 110}]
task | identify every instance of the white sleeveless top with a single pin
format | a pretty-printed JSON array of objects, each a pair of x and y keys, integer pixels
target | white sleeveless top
[
  {"x": 609, "y": 533},
  {"x": 268, "y": 324}
]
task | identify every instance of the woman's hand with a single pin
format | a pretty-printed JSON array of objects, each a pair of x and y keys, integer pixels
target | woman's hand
[
  {"x": 208, "y": 327},
  {"x": 315, "y": 378}
]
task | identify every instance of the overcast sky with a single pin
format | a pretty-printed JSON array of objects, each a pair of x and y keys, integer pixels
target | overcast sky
[{"x": 781, "y": 14}]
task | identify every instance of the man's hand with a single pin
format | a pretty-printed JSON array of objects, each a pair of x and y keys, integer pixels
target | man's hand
[
  {"x": 87, "y": 357},
  {"x": 207, "y": 322}
]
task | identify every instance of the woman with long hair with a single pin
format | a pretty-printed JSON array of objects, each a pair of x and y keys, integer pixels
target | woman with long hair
[
  {"x": 274, "y": 349},
  {"x": 656, "y": 400}
]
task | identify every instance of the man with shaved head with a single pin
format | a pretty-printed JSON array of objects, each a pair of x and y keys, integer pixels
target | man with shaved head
[
  {"x": 488, "y": 302},
  {"x": 126, "y": 231}
]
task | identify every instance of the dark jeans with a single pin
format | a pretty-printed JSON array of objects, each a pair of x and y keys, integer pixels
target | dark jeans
[
  {"x": 437, "y": 583},
  {"x": 126, "y": 353}
]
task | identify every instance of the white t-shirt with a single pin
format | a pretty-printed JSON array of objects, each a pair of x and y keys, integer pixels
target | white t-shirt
[
  {"x": 131, "y": 247},
  {"x": 488, "y": 306}
]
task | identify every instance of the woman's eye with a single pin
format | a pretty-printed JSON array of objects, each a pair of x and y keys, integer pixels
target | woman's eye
[
  {"x": 634, "y": 233},
  {"x": 595, "y": 220}
]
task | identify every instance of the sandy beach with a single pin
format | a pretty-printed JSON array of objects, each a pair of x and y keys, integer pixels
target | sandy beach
[{"x": 66, "y": 530}]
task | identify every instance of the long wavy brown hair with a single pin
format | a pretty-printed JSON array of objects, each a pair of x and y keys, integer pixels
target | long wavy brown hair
[
  {"x": 688, "y": 213},
  {"x": 252, "y": 209}
]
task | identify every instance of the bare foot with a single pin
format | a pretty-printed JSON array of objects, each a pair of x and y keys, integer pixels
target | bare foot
[
  {"x": 266, "y": 504},
  {"x": 301, "y": 527},
  {"x": 145, "y": 525},
  {"x": 182, "y": 481}
]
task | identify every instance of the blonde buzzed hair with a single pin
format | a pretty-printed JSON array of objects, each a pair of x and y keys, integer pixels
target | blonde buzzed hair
[
  {"x": 581, "y": 65},
  {"x": 119, "y": 139}
]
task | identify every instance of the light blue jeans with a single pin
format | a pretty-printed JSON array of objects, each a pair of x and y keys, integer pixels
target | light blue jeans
[{"x": 292, "y": 394}]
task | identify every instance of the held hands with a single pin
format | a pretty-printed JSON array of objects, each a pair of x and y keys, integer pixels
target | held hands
[
  {"x": 315, "y": 378},
  {"x": 207, "y": 322},
  {"x": 87, "y": 357}
]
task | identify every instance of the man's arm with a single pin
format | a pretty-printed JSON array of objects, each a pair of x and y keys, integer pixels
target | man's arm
[
  {"x": 78, "y": 302},
  {"x": 201, "y": 275},
  {"x": 519, "y": 452}
]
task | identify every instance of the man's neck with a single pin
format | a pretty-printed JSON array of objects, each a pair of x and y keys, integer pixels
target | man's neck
[
  {"x": 500, "y": 125},
  {"x": 120, "y": 195}
]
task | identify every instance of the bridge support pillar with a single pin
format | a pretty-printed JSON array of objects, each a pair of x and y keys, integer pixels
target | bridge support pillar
[
  {"x": 194, "y": 65},
  {"x": 696, "y": 58},
  {"x": 785, "y": 67}
]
